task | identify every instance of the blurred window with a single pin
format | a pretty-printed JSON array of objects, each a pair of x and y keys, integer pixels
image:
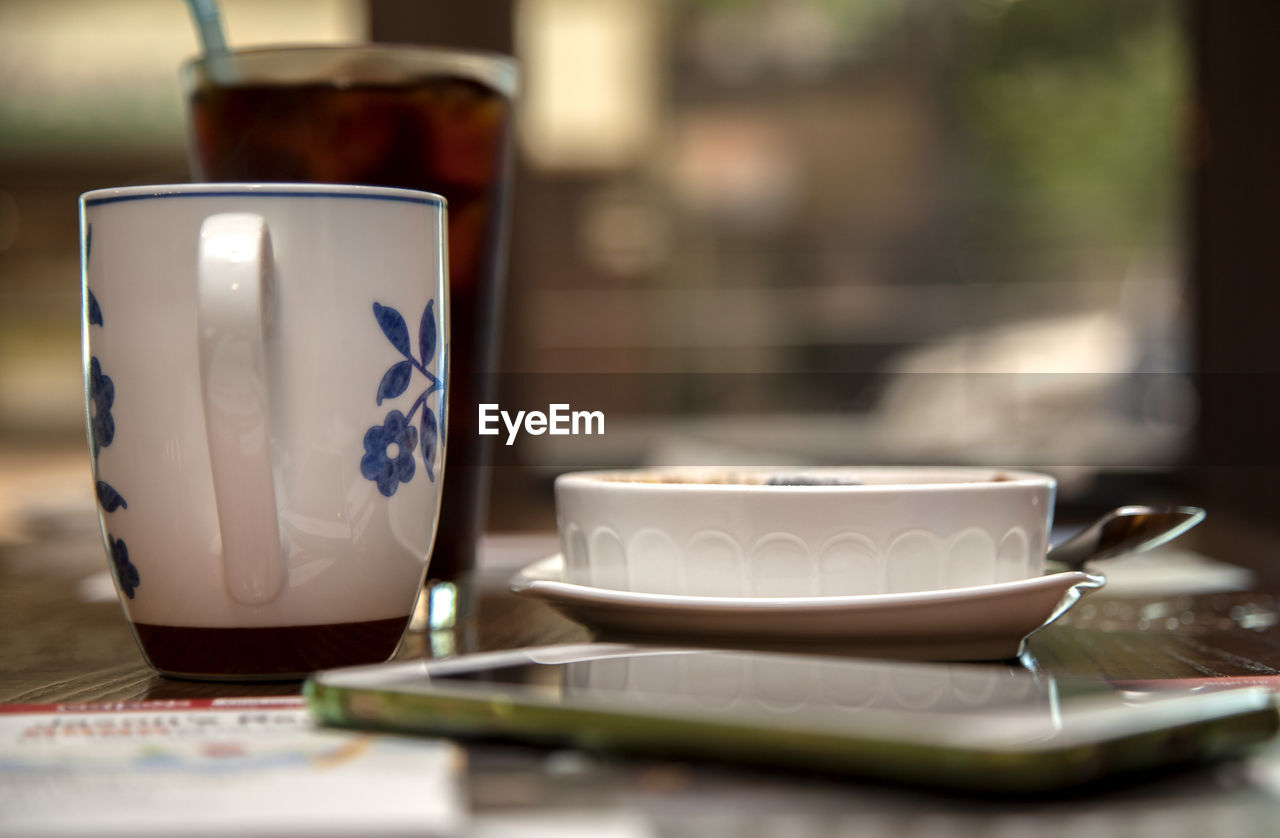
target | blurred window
[{"x": 859, "y": 230}]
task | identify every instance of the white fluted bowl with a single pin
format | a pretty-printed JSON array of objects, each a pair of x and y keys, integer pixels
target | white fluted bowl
[{"x": 802, "y": 532}]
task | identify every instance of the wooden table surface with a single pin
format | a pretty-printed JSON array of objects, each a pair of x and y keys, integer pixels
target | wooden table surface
[{"x": 63, "y": 638}]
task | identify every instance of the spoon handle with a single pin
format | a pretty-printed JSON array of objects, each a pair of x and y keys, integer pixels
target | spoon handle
[{"x": 1124, "y": 531}]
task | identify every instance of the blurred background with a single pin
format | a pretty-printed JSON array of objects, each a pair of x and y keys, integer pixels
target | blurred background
[{"x": 811, "y": 231}]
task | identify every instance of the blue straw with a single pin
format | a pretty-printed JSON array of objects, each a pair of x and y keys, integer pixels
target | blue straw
[{"x": 209, "y": 24}]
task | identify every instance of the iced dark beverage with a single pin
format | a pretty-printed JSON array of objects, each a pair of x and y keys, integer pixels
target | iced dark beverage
[{"x": 435, "y": 120}]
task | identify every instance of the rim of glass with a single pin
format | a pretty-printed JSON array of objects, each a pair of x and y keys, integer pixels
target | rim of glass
[
  {"x": 373, "y": 63},
  {"x": 261, "y": 190}
]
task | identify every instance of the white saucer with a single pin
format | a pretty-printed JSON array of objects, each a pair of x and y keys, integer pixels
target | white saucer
[{"x": 988, "y": 622}]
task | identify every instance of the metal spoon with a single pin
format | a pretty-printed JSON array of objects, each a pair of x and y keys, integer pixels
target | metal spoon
[{"x": 1123, "y": 531}]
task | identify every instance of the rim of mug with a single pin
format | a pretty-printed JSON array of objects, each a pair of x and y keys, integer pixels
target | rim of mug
[
  {"x": 115, "y": 194},
  {"x": 498, "y": 71}
]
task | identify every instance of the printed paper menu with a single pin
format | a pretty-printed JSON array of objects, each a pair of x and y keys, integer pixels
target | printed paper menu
[{"x": 256, "y": 766}]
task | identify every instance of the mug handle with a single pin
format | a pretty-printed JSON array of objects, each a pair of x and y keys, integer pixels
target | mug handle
[{"x": 234, "y": 274}]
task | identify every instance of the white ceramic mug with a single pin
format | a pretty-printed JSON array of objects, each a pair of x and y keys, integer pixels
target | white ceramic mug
[{"x": 265, "y": 379}]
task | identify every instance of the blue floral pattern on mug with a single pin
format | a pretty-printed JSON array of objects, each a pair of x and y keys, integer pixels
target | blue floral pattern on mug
[
  {"x": 102, "y": 432},
  {"x": 126, "y": 573},
  {"x": 388, "y": 447},
  {"x": 95, "y": 311},
  {"x": 102, "y": 395},
  {"x": 110, "y": 499},
  {"x": 379, "y": 464}
]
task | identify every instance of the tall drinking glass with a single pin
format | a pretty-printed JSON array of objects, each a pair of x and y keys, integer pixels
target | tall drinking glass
[{"x": 420, "y": 118}]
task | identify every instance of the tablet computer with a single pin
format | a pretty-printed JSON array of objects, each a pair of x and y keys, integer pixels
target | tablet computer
[{"x": 995, "y": 728}]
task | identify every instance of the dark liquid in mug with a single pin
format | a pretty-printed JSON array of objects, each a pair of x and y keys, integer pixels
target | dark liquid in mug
[
  {"x": 443, "y": 134},
  {"x": 277, "y": 651}
]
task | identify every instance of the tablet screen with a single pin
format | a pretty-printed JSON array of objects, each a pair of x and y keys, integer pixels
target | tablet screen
[{"x": 993, "y": 706}]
